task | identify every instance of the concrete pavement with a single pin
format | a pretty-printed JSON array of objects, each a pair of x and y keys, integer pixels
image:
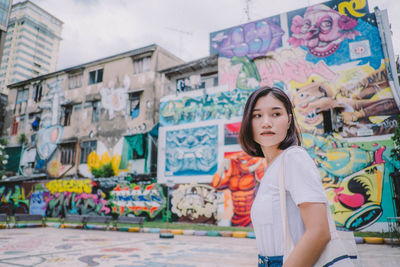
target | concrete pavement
[{"x": 73, "y": 247}]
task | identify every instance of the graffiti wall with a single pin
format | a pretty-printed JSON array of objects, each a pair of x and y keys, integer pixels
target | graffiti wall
[
  {"x": 328, "y": 58},
  {"x": 57, "y": 198}
]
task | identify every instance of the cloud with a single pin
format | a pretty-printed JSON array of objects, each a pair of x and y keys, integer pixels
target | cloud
[{"x": 95, "y": 29}]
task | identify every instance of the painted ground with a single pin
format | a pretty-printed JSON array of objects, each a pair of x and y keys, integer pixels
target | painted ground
[{"x": 71, "y": 247}]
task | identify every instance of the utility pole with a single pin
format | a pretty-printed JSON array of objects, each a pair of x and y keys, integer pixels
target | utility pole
[{"x": 181, "y": 33}]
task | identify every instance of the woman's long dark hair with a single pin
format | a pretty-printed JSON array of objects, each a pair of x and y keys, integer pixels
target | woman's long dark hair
[{"x": 246, "y": 138}]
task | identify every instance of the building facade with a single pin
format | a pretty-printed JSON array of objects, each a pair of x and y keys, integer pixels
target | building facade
[
  {"x": 333, "y": 65},
  {"x": 31, "y": 45},
  {"x": 5, "y": 7},
  {"x": 100, "y": 113}
]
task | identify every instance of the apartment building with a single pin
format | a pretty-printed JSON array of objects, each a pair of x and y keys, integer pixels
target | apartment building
[
  {"x": 5, "y": 7},
  {"x": 108, "y": 106},
  {"x": 31, "y": 45}
]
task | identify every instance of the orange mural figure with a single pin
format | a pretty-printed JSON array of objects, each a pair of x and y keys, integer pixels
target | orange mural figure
[{"x": 241, "y": 174}]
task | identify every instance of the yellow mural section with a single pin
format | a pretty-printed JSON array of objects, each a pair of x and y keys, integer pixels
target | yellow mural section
[
  {"x": 73, "y": 186},
  {"x": 96, "y": 162}
]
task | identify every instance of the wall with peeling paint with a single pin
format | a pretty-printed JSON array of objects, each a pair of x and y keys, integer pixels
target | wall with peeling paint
[{"x": 101, "y": 97}]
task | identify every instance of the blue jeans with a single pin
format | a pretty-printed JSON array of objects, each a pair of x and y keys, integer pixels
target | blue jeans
[{"x": 274, "y": 261}]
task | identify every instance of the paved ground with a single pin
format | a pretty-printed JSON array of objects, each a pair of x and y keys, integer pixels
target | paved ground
[{"x": 70, "y": 247}]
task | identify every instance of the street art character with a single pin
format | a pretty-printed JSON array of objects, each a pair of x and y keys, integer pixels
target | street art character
[
  {"x": 356, "y": 200},
  {"x": 321, "y": 30},
  {"x": 311, "y": 100},
  {"x": 195, "y": 203},
  {"x": 352, "y": 178},
  {"x": 241, "y": 174},
  {"x": 191, "y": 151}
]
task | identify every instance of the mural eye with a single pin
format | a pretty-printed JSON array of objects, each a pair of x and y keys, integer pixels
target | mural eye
[
  {"x": 326, "y": 25},
  {"x": 302, "y": 95},
  {"x": 306, "y": 26}
]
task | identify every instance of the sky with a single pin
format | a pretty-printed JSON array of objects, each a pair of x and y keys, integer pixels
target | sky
[{"x": 95, "y": 29}]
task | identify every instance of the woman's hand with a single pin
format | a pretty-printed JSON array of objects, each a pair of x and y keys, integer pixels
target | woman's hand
[{"x": 316, "y": 237}]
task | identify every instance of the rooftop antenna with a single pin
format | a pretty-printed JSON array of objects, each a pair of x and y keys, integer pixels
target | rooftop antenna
[
  {"x": 181, "y": 33},
  {"x": 247, "y": 9}
]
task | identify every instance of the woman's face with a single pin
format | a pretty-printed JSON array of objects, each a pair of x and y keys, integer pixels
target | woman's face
[{"x": 270, "y": 122}]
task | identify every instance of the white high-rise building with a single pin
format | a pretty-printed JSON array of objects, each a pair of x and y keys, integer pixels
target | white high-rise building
[{"x": 31, "y": 46}]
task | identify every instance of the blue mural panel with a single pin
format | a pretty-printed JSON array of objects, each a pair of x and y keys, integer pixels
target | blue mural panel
[{"x": 191, "y": 151}]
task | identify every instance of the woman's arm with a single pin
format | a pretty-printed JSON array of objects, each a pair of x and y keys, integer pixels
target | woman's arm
[{"x": 315, "y": 238}]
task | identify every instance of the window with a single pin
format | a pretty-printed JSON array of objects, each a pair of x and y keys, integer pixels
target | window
[
  {"x": 75, "y": 80},
  {"x": 332, "y": 121},
  {"x": 22, "y": 96},
  {"x": 328, "y": 127},
  {"x": 37, "y": 92},
  {"x": 141, "y": 65},
  {"x": 95, "y": 111},
  {"x": 86, "y": 149},
  {"x": 66, "y": 116},
  {"x": 96, "y": 76},
  {"x": 67, "y": 153},
  {"x": 134, "y": 104}
]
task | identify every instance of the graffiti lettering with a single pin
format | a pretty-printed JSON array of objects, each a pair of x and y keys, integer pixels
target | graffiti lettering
[
  {"x": 12, "y": 199},
  {"x": 64, "y": 203},
  {"x": 72, "y": 186},
  {"x": 135, "y": 199},
  {"x": 371, "y": 170},
  {"x": 352, "y": 7},
  {"x": 252, "y": 39},
  {"x": 287, "y": 71},
  {"x": 217, "y": 106}
]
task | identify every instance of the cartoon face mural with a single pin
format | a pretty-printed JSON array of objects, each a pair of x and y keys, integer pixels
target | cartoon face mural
[
  {"x": 241, "y": 174},
  {"x": 311, "y": 100},
  {"x": 321, "y": 30}
]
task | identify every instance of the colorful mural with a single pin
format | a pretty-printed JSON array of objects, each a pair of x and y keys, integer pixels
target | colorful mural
[
  {"x": 61, "y": 197},
  {"x": 328, "y": 58},
  {"x": 137, "y": 199},
  {"x": 241, "y": 174},
  {"x": 197, "y": 106},
  {"x": 197, "y": 203},
  {"x": 191, "y": 151}
]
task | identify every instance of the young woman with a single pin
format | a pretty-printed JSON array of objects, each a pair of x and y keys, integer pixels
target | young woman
[{"x": 268, "y": 129}]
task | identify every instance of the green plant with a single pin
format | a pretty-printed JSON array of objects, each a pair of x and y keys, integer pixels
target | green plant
[
  {"x": 22, "y": 139},
  {"x": 3, "y": 158},
  {"x": 395, "y": 152},
  {"x": 104, "y": 171}
]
